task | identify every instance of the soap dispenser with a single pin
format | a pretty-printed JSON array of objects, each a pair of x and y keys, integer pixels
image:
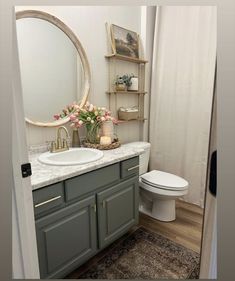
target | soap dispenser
[{"x": 75, "y": 138}]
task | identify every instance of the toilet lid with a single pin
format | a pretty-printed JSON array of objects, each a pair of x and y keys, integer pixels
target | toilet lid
[{"x": 164, "y": 180}]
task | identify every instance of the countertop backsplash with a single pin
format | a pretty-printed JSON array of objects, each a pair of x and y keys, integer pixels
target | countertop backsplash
[{"x": 37, "y": 148}]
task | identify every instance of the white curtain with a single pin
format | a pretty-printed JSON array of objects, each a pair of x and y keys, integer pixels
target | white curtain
[{"x": 183, "y": 70}]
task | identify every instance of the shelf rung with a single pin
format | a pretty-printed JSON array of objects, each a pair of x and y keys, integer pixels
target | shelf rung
[
  {"x": 125, "y": 58},
  {"x": 125, "y": 121},
  {"x": 127, "y": 92}
]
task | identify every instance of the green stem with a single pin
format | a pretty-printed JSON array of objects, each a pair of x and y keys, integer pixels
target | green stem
[{"x": 92, "y": 132}]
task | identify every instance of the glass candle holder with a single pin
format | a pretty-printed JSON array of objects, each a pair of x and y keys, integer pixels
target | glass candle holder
[{"x": 108, "y": 129}]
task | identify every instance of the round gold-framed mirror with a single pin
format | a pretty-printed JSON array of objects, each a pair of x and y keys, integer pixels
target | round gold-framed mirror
[{"x": 36, "y": 98}]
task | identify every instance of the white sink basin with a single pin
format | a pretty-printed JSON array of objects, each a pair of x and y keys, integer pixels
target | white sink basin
[{"x": 73, "y": 156}]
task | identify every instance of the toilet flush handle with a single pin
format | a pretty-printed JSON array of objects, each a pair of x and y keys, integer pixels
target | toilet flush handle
[{"x": 132, "y": 168}]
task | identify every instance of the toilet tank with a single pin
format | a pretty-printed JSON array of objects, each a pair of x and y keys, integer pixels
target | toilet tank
[{"x": 144, "y": 157}]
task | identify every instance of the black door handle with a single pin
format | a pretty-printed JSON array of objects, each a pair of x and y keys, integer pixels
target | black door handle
[{"x": 213, "y": 173}]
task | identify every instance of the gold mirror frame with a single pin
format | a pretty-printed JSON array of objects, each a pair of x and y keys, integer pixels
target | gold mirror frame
[{"x": 86, "y": 68}]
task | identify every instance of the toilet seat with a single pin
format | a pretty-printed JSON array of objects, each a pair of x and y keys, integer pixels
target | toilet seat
[
  {"x": 160, "y": 192},
  {"x": 163, "y": 180}
]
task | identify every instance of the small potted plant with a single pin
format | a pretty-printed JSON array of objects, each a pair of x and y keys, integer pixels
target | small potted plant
[
  {"x": 125, "y": 82},
  {"x": 120, "y": 84},
  {"x": 127, "y": 79}
]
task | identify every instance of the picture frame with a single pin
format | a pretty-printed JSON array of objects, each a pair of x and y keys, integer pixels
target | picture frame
[{"x": 125, "y": 42}]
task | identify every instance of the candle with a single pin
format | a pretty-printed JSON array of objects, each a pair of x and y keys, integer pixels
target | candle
[
  {"x": 107, "y": 129},
  {"x": 105, "y": 140}
]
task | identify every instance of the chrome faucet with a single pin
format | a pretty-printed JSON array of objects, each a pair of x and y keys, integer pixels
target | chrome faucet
[{"x": 60, "y": 144}]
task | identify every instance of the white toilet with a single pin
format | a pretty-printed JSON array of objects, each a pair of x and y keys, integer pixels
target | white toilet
[{"x": 158, "y": 190}]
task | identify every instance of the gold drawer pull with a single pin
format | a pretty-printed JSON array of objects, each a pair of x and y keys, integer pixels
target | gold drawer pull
[
  {"x": 48, "y": 201},
  {"x": 132, "y": 168}
]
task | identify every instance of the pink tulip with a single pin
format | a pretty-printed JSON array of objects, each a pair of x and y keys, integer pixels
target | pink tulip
[
  {"x": 91, "y": 107},
  {"x": 115, "y": 121},
  {"x": 72, "y": 117},
  {"x": 57, "y": 116},
  {"x": 76, "y": 106},
  {"x": 76, "y": 124}
]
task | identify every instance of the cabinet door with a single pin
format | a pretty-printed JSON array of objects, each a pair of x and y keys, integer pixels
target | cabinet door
[
  {"x": 117, "y": 210},
  {"x": 66, "y": 238}
]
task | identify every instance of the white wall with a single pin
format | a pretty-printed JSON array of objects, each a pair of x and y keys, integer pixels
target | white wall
[{"x": 88, "y": 23}]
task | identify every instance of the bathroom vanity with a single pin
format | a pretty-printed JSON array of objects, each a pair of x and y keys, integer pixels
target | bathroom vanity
[{"x": 81, "y": 214}]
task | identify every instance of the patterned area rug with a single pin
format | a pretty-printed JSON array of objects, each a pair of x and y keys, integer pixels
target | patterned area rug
[{"x": 145, "y": 255}]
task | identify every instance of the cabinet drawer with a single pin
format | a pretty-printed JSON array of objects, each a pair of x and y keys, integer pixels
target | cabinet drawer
[
  {"x": 130, "y": 167},
  {"x": 48, "y": 198},
  {"x": 88, "y": 182}
]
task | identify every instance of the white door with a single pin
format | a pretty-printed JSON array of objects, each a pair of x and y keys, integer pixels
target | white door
[
  {"x": 24, "y": 247},
  {"x": 208, "y": 268}
]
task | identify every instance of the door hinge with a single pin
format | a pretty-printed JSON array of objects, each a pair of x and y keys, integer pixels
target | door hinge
[{"x": 26, "y": 170}]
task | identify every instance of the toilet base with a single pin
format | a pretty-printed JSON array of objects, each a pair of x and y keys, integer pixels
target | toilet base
[{"x": 163, "y": 210}]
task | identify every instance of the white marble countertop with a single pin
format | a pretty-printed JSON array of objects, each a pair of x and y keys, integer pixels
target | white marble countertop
[{"x": 43, "y": 174}]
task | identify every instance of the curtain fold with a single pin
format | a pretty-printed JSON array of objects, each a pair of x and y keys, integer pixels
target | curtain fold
[{"x": 183, "y": 70}]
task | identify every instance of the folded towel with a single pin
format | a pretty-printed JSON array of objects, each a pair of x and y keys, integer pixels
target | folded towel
[{"x": 129, "y": 109}]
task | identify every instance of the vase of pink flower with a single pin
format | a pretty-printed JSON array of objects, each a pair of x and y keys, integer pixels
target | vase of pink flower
[{"x": 89, "y": 116}]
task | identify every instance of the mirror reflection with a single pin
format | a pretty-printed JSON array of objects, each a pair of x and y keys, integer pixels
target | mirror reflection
[{"x": 51, "y": 69}]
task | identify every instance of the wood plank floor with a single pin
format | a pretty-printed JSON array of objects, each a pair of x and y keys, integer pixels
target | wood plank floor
[{"x": 186, "y": 230}]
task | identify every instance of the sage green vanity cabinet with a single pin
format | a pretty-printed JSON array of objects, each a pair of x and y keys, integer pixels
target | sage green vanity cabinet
[
  {"x": 117, "y": 210},
  {"x": 66, "y": 238},
  {"x": 78, "y": 217}
]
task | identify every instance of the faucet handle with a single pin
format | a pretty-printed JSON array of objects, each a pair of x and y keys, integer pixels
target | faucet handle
[
  {"x": 65, "y": 143},
  {"x": 53, "y": 146}
]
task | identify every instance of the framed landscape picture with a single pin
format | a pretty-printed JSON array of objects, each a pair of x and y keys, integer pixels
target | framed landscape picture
[{"x": 125, "y": 42}]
